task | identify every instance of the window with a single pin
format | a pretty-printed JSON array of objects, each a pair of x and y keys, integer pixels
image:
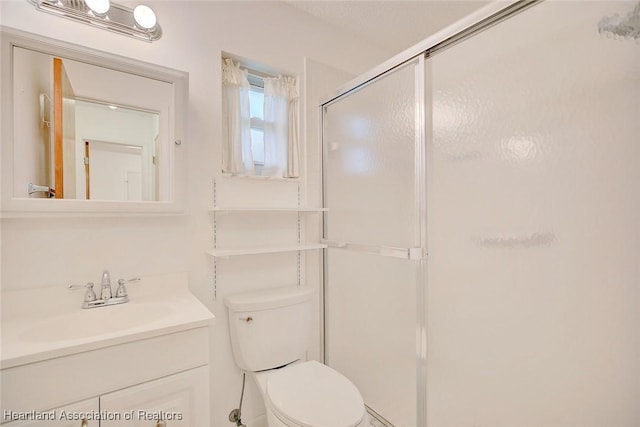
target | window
[
  {"x": 256, "y": 108},
  {"x": 260, "y": 122}
]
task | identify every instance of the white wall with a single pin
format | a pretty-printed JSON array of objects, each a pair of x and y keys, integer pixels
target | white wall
[
  {"x": 34, "y": 147},
  {"x": 195, "y": 34}
]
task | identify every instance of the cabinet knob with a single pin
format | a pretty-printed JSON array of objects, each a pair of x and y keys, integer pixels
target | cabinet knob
[
  {"x": 161, "y": 423},
  {"x": 248, "y": 319}
]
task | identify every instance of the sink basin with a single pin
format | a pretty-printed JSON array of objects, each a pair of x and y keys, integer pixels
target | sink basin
[
  {"x": 44, "y": 323},
  {"x": 94, "y": 322}
]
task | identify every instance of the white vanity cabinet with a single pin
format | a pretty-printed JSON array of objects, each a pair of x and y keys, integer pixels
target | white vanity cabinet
[
  {"x": 143, "y": 363},
  {"x": 178, "y": 400},
  {"x": 61, "y": 417},
  {"x": 160, "y": 381}
]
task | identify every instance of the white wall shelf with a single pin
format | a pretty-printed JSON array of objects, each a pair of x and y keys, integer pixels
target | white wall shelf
[
  {"x": 261, "y": 178},
  {"x": 225, "y": 253},
  {"x": 248, "y": 209},
  {"x": 295, "y": 213}
]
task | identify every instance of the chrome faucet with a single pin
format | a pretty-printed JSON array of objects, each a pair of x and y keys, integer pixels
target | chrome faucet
[
  {"x": 105, "y": 293},
  {"x": 106, "y": 298}
]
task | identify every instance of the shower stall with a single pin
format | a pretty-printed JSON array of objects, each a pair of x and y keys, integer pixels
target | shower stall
[{"x": 483, "y": 190}]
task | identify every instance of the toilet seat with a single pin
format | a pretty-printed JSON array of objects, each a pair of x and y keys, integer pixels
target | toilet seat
[{"x": 311, "y": 394}]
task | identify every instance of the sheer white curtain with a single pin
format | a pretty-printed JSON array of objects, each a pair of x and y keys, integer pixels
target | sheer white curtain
[
  {"x": 236, "y": 146},
  {"x": 281, "y": 127}
]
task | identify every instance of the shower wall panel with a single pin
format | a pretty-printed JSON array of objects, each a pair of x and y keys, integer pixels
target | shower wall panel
[
  {"x": 533, "y": 183},
  {"x": 370, "y": 187}
]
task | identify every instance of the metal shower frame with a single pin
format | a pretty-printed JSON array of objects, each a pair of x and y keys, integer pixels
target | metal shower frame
[{"x": 482, "y": 19}]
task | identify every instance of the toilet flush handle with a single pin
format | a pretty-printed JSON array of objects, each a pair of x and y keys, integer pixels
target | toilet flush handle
[{"x": 247, "y": 319}]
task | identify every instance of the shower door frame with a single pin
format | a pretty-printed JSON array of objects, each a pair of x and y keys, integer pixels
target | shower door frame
[
  {"x": 416, "y": 254},
  {"x": 482, "y": 19},
  {"x": 495, "y": 12}
]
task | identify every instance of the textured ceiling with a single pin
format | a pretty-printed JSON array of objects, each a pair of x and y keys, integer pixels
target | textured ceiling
[{"x": 391, "y": 24}]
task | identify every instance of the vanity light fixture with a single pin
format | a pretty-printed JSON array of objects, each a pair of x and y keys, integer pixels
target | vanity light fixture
[
  {"x": 98, "y": 7},
  {"x": 145, "y": 17},
  {"x": 139, "y": 23}
]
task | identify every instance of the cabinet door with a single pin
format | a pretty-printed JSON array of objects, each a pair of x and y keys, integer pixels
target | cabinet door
[
  {"x": 179, "y": 400},
  {"x": 81, "y": 414}
]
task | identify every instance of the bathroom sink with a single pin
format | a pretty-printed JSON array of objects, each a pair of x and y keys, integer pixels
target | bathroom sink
[
  {"x": 42, "y": 323},
  {"x": 95, "y": 322}
]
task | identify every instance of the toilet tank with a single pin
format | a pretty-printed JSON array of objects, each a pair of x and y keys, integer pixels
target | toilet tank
[{"x": 269, "y": 328}]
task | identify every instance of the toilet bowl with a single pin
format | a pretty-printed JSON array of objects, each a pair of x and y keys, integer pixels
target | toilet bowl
[
  {"x": 270, "y": 332},
  {"x": 310, "y": 394}
]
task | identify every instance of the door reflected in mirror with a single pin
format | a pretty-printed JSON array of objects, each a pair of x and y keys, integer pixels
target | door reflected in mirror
[
  {"x": 83, "y": 131},
  {"x": 120, "y": 157}
]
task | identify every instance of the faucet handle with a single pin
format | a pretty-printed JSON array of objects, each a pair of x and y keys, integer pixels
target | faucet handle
[
  {"x": 121, "y": 291},
  {"x": 90, "y": 295}
]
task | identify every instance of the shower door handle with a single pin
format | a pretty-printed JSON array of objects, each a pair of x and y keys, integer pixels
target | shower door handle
[{"x": 413, "y": 253}]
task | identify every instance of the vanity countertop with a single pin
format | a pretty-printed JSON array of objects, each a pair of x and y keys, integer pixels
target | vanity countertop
[{"x": 44, "y": 323}]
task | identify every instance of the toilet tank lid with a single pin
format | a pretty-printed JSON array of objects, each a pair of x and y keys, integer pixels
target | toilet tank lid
[{"x": 268, "y": 298}]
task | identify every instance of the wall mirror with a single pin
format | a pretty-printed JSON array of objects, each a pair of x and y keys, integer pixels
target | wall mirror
[{"x": 86, "y": 131}]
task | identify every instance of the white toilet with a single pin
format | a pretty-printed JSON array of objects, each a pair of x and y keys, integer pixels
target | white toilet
[{"x": 270, "y": 332}]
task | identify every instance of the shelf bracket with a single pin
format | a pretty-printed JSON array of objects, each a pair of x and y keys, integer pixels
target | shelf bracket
[{"x": 215, "y": 242}]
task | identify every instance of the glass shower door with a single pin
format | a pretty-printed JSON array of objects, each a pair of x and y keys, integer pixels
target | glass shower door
[
  {"x": 373, "y": 268},
  {"x": 534, "y": 238}
]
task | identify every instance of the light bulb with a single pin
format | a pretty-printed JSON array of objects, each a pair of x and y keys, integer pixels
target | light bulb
[
  {"x": 99, "y": 7},
  {"x": 144, "y": 16}
]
